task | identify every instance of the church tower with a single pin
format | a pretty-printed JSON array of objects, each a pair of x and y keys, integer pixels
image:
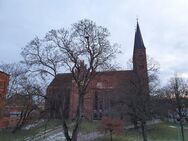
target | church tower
[{"x": 140, "y": 60}]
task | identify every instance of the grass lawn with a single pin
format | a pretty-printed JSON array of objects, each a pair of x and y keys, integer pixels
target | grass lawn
[
  {"x": 6, "y": 135},
  {"x": 89, "y": 126},
  {"x": 19, "y": 135},
  {"x": 158, "y": 132}
]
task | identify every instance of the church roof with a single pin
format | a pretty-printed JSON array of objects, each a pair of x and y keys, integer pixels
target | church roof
[
  {"x": 61, "y": 79},
  {"x": 65, "y": 79},
  {"x": 138, "y": 41}
]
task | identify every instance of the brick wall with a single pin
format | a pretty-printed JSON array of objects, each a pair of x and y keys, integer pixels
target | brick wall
[{"x": 4, "y": 80}]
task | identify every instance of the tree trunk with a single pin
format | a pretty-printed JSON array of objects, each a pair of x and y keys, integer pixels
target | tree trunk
[
  {"x": 110, "y": 135},
  {"x": 66, "y": 131},
  {"x": 75, "y": 136},
  {"x": 135, "y": 125},
  {"x": 144, "y": 135},
  {"x": 78, "y": 120},
  {"x": 78, "y": 117},
  {"x": 182, "y": 130}
]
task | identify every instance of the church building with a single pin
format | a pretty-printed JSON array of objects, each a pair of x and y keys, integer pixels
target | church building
[{"x": 96, "y": 101}]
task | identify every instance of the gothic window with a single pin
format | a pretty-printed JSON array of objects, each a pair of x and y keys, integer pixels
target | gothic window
[
  {"x": 95, "y": 114},
  {"x": 100, "y": 114},
  {"x": 98, "y": 106},
  {"x": 99, "y": 84},
  {"x": 95, "y": 102}
]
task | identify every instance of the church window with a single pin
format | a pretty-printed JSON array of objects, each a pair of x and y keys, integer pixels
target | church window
[
  {"x": 100, "y": 106},
  {"x": 95, "y": 114},
  {"x": 96, "y": 102},
  {"x": 100, "y": 114},
  {"x": 99, "y": 84}
]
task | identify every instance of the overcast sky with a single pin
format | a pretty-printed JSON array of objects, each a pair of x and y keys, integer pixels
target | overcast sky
[{"x": 163, "y": 23}]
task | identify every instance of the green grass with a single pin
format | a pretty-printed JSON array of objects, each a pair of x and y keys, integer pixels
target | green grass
[
  {"x": 159, "y": 132},
  {"x": 116, "y": 138},
  {"x": 6, "y": 135},
  {"x": 164, "y": 132},
  {"x": 89, "y": 126}
]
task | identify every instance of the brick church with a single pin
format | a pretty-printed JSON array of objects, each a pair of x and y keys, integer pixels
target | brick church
[{"x": 96, "y": 102}]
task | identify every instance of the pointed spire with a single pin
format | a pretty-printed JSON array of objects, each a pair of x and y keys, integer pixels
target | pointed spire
[{"x": 138, "y": 41}]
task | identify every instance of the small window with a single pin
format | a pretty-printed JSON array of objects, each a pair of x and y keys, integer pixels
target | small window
[
  {"x": 96, "y": 102},
  {"x": 95, "y": 115},
  {"x": 100, "y": 114},
  {"x": 99, "y": 84},
  {"x": 100, "y": 106}
]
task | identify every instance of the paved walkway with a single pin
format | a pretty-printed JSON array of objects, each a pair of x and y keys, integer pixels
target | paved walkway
[
  {"x": 45, "y": 135},
  {"x": 57, "y": 135},
  {"x": 89, "y": 136}
]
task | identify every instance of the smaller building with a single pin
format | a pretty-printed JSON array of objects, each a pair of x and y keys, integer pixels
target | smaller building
[
  {"x": 4, "y": 80},
  {"x": 10, "y": 109}
]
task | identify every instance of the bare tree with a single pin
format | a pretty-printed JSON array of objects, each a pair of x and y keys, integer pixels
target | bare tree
[
  {"x": 42, "y": 58},
  {"x": 153, "y": 72},
  {"x": 29, "y": 92},
  {"x": 136, "y": 100},
  {"x": 175, "y": 94},
  {"x": 133, "y": 104},
  {"x": 139, "y": 107},
  {"x": 16, "y": 72},
  {"x": 22, "y": 89},
  {"x": 111, "y": 125},
  {"x": 153, "y": 75},
  {"x": 84, "y": 49}
]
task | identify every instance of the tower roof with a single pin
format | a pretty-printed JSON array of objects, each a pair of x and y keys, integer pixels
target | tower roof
[{"x": 138, "y": 41}]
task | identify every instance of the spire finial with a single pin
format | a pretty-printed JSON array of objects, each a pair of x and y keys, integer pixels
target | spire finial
[
  {"x": 137, "y": 19},
  {"x": 138, "y": 37}
]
